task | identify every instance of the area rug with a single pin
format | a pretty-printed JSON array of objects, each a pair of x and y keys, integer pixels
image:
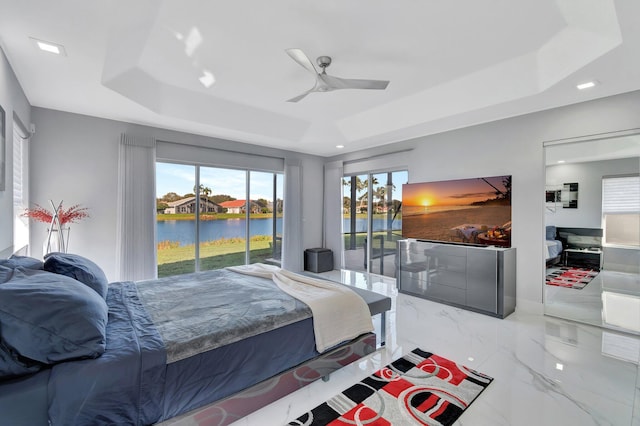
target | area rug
[
  {"x": 420, "y": 388},
  {"x": 569, "y": 277}
]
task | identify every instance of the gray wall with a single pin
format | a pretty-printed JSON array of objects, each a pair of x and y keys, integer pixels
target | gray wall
[
  {"x": 75, "y": 158},
  {"x": 512, "y": 146},
  {"x": 14, "y": 102}
]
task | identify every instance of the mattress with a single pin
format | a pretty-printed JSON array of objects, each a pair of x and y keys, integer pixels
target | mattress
[{"x": 198, "y": 380}]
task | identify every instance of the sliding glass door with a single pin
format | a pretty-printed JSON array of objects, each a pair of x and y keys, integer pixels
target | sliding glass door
[
  {"x": 372, "y": 220},
  {"x": 210, "y": 218},
  {"x": 355, "y": 224},
  {"x": 265, "y": 244}
]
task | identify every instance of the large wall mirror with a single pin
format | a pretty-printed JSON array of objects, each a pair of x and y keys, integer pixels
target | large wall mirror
[{"x": 592, "y": 244}]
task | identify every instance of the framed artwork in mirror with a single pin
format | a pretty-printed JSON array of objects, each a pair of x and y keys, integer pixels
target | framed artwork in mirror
[
  {"x": 3, "y": 152},
  {"x": 569, "y": 196}
]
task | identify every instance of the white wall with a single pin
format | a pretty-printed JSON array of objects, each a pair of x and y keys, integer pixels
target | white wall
[
  {"x": 513, "y": 146},
  {"x": 13, "y": 101},
  {"x": 75, "y": 158}
]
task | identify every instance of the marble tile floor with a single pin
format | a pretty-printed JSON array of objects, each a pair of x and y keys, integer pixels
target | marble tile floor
[
  {"x": 618, "y": 292},
  {"x": 547, "y": 371}
]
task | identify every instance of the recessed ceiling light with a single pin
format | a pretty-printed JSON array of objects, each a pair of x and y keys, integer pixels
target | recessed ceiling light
[
  {"x": 559, "y": 366},
  {"x": 586, "y": 85},
  {"x": 339, "y": 146},
  {"x": 49, "y": 47},
  {"x": 561, "y": 161},
  {"x": 207, "y": 79},
  {"x": 471, "y": 358}
]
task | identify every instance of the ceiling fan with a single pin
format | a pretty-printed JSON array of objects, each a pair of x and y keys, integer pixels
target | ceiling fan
[{"x": 326, "y": 82}]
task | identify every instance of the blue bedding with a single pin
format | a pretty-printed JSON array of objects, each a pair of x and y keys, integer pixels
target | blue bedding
[
  {"x": 198, "y": 312},
  {"x": 124, "y": 385},
  {"x": 133, "y": 382}
]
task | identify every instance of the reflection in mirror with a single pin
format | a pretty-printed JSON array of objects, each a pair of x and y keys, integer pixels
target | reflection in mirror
[
  {"x": 592, "y": 248},
  {"x": 569, "y": 196}
]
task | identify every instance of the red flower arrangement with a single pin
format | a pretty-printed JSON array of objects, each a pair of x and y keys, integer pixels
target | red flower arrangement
[{"x": 71, "y": 215}]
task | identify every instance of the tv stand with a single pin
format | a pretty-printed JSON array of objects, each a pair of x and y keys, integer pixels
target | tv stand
[{"x": 480, "y": 279}]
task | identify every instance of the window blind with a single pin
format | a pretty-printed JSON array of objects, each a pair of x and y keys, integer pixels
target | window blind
[
  {"x": 621, "y": 195},
  {"x": 18, "y": 163}
]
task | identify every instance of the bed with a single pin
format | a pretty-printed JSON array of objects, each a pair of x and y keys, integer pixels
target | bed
[
  {"x": 199, "y": 343},
  {"x": 553, "y": 246}
]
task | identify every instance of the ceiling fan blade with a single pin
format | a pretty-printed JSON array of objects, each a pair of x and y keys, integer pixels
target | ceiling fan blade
[
  {"x": 300, "y": 57},
  {"x": 300, "y": 97},
  {"x": 351, "y": 83}
]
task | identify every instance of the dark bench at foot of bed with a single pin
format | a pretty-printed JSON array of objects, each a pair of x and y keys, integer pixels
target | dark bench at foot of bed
[{"x": 378, "y": 304}]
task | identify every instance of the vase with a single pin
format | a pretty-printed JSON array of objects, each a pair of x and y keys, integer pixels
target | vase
[{"x": 56, "y": 242}]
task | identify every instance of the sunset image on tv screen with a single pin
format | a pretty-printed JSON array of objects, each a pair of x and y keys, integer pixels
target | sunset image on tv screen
[{"x": 475, "y": 211}]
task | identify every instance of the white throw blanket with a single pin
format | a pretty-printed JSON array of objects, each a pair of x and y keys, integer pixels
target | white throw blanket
[{"x": 339, "y": 314}]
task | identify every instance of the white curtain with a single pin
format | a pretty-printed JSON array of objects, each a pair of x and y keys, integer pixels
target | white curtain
[
  {"x": 292, "y": 258},
  {"x": 136, "y": 226},
  {"x": 332, "y": 223}
]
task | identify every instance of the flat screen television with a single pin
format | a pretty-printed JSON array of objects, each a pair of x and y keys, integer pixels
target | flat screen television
[{"x": 469, "y": 211}]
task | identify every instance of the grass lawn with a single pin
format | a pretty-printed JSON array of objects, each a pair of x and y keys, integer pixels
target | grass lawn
[
  {"x": 389, "y": 244},
  {"x": 174, "y": 259}
]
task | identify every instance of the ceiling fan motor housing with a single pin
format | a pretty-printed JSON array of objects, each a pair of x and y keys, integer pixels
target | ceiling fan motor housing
[{"x": 323, "y": 61}]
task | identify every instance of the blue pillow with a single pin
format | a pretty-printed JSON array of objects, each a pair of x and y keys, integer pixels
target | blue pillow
[
  {"x": 551, "y": 232},
  {"x": 13, "y": 365},
  {"x": 24, "y": 261},
  {"x": 79, "y": 268},
  {"x": 5, "y": 274},
  {"x": 50, "y": 318}
]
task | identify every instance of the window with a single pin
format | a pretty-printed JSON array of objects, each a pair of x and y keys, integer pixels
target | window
[
  {"x": 20, "y": 187},
  {"x": 621, "y": 210},
  {"x": 239, "y": 218}
]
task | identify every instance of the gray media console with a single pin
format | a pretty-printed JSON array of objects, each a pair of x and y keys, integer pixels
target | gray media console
[{"x": 480, "y": 279}]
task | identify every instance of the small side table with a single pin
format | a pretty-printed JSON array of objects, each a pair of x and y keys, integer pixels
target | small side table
[{"x": 585, "y": 258}]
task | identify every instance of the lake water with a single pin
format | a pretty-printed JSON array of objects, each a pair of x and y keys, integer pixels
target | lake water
[
  {"x": 378, "y": 225},
  {"x": 183, "y": 231}
]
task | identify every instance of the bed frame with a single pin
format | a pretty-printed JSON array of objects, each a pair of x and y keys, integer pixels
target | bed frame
[{"x": 245, "y": 402}]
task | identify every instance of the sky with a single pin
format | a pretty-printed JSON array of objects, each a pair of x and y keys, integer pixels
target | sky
[
  {"x": 180, "y": 179},
  {"x": 451, "y": 192}
]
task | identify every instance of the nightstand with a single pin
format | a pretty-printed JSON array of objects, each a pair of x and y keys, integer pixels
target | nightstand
[{"x": 583, "y": 258}]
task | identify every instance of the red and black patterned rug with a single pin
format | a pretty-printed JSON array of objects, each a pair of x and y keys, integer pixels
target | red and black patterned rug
[
  {"x": 420, "y": 388},
  {"x": 569, "y": 277}
]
